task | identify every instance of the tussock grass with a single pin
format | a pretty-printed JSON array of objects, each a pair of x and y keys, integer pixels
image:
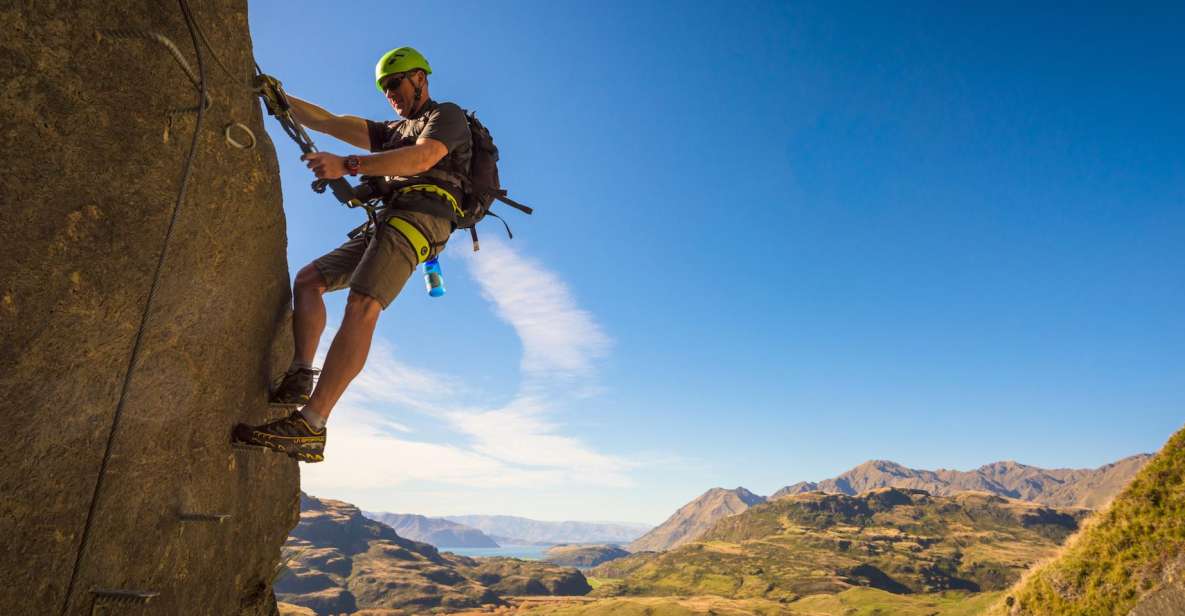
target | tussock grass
[
  {"x": 1122, "y": 552},
  {"x": 852, "y": 602},
  {"x": 873, "y": 602}
]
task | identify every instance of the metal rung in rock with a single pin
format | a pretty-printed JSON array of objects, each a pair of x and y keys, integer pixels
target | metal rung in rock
[
  {"x": 250, "y": 447},
  {"x": 292, "y": 406},
  {"x": 127, "y": 597},
  {"x": 216, "y": 518}
]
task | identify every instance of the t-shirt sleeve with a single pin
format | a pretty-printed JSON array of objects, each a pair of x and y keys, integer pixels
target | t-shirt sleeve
[
  {"x": 447, "y": 124},
  {"x": 380, "y": 132}
]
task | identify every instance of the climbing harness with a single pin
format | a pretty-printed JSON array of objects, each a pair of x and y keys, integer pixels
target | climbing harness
[
  {"x": 418, "y": 241},
  {"x": 435, "y": 190}
]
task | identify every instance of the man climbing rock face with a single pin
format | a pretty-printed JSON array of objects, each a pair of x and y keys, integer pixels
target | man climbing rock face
[{"x": 426, "y": 155}]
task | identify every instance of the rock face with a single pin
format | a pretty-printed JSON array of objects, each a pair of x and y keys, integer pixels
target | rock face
[
  {"x": 1063, "y": 487},
  {"x": 89, "y": 188},
  {"x": 340, "y": 561},
  {"x": 692, "y": 519},
  {"x": 439, "y": 532}
]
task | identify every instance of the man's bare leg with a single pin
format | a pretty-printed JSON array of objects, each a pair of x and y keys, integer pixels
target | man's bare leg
[
  {"x": 308, "y": 313},
  {"x": 347, "y": 354}
]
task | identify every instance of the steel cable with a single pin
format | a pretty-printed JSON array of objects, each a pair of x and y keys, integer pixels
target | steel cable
[{"x": 200, "y": 82}]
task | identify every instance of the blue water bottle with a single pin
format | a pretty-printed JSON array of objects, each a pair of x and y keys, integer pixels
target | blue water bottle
[{"x": 433, "y": 279}]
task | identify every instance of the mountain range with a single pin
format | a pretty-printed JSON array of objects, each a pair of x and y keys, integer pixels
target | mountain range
[
  {"x": 436, "y": 531},
  {"x": 899, "y": 540},
  {"x": 507, "y": 529},
  {"x": 1082, "y": 488},
  {"x": 1062, "y": 487}
]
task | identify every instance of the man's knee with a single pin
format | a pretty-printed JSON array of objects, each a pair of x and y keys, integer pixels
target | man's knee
[
  {"x": 362, "y": 306},
  {"x": 309, "y": 278}
]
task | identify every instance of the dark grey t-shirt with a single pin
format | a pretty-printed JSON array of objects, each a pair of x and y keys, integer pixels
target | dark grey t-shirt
[{"x": 444, "y": 122}]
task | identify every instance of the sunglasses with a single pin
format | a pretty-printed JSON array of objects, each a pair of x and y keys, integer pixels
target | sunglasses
[{"x": 393, "y": 82}]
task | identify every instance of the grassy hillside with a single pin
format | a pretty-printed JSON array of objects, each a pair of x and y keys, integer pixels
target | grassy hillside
[
  {"x": 901, "y": 541},
  {"x": 1125, "y": 552},
  {"x": 852, "y": 602}
]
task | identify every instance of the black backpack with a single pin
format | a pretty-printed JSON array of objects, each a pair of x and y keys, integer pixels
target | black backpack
[{"x": 483, "y": 186}]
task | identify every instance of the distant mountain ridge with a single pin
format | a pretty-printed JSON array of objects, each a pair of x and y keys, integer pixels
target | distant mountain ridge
[
  {"x": 894, "y": 539},
  {"x": 436, "y": 531},
  {"x": 1065, "y": 488},
  {"x": 1087, "y": 488},
  {"x": 512, "y": 529},
  {"x": 695, "y": 518}
]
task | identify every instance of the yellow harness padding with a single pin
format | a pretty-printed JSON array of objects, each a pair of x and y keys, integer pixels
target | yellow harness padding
[
  {"x": 436, "y": 190},
  {"x": 413, "y": 235}
]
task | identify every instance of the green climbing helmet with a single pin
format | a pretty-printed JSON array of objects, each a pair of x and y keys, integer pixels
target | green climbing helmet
[{"x": 399, "y": 60}]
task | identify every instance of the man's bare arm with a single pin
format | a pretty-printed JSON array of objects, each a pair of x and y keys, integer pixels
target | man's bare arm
[
  {"x": 350, "y": 129},
  {"x": 405, "y": 161}
]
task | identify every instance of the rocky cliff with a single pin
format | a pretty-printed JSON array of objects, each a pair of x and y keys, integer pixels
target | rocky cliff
[{"x": 119, "y": 483}]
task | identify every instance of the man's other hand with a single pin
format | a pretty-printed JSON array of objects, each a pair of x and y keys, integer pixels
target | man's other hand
[{"x": 326, "y": 166}]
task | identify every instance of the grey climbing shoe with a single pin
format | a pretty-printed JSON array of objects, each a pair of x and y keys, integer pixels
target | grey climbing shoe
[
  {"x": 294, "y": 387},
  {"x": 291, "y": 435}
]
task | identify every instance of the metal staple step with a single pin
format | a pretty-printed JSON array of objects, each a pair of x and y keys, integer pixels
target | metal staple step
[
  {"x": 252, "y": 448},
  {"x": 104, "y": 597},
  {"x": 216, "y": 518}
]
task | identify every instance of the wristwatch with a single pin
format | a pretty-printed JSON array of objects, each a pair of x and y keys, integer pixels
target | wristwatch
[{"x": 352, "y": 164}]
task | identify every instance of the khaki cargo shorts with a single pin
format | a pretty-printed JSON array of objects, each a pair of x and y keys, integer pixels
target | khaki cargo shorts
[{"x": 381, "y": 266}]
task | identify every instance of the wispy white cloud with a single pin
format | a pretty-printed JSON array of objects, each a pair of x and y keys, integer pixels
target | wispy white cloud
[
  {"x": 521, "y": 443},
  {"x": 387, "y": 381},
  {"x": 359, "y": 455},
  {"x": 559, "y": 338},
  {"x": 525, "y": 439}
]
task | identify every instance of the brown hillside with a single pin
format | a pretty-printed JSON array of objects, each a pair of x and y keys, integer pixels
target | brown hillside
[
  {"x": 692, "y": 519},
  {"x": 901, "y": 541},
  {"x": 340, "y": 561}
]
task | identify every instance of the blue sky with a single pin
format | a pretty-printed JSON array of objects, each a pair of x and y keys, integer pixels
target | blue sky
[{"x": 772, "y": 241}]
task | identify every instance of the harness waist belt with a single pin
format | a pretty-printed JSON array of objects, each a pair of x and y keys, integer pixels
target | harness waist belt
[
  {"x": 435, "y": 190},
  {"x": 413, "y": 235}
]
